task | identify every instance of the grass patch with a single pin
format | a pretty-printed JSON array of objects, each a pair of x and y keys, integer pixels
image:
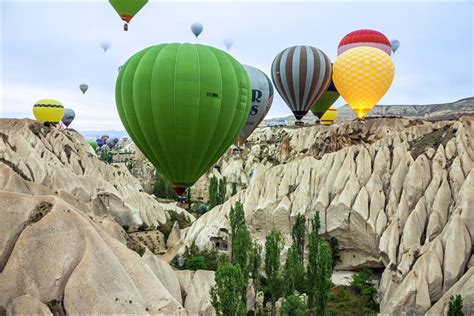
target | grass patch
[{"x": 437, "y": 137}]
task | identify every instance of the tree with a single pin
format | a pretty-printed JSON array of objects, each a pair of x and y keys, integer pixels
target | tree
[
  {"x": 237, "y": 219},
  {"x": 213, "y": 193},
  {"x": 255, "y": 262},
  {"x": 323, "y": 276},
  {"x": 196, "y": 263},
  {"x": 297, "y": 234},
  {"x": 226, "y": 294},
  {"x": 241, "y": 247},
  {"x": 234, "y": 188},
  {"x": 455, "y": 306},
  {"x": 163, "y": 188},
  {"x": 273, "y": 247},
  {"x": 362, "y": 283},
  {"x": 293, "y": 272},
  {"x": 313, "y": 254},
  {"x": 293, "y": 306},
  {"x": 222, "y": 190}
]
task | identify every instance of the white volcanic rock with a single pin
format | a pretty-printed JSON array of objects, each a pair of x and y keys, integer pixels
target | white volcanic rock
[{"x": 394, "y": 194}]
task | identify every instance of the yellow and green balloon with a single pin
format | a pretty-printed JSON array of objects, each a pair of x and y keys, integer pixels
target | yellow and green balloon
[{"x": 183, "y": 105}]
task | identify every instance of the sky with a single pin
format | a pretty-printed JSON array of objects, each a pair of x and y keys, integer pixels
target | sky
[{"x": 50, "y": 47}]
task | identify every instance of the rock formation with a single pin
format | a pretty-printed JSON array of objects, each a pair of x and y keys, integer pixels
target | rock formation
[{"x": 397, "y": 194}]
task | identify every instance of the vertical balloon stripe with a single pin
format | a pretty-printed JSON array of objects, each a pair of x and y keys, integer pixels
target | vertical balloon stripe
[
  {"x": 303, "y": 74},
  {"x": 309, "y": 73},
  {"x": 295, "y": 74},
  {"x": 276, "y": 76}
]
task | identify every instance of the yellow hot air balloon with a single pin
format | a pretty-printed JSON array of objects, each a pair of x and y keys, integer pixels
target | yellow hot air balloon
[
  {"x": 329, "y": 116},
  {"x": 362, "y": 76},
  {"x": 48, "y": 111}
]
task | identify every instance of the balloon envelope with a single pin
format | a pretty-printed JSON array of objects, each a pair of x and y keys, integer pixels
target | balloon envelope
[
  {"x": 99, "y": 142},
  {"x": 301, "y": 88},
  {"x": 183, "y": 105},
  {"x": 329, "y": 117},
  {"x": 83, "y": 87},
  {"x": 228, "y": 42},
  {"x": 92, "y": 143},
  {"x": 127, "y": 9},
  {"x": 196, "y": 28},
  {"x": 366, "y": 38},
  {"x": 395, "y": 45},
  {"x": 48, "y": 111},
  {"x": 325, "y": 101},
  {"x": 68, "y": 117},
  {"x": 111, "y": 142},
  {"x": 362, "y": 76},
  {"x": 262, "y": 98},
  {"x": 105, "y": 46}
]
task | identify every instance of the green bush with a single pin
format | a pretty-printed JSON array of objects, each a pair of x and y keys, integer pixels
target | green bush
[
  {"x": 455, "y": 306},
  {"x": 343, "y": 300},
  {"x": 362, "y": 283},
  {"x": 182, "y": 220},
  {"x": 196, "y": 263},
  {"x": 293, "y": 306},
  {"x": 211, "y": 257}
]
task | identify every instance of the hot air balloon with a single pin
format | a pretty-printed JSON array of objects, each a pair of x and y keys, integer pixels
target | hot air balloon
[
  {"x": 105, "y": 46},
  {"x": 301, "y": 74},
  {"x": 329, "y": 117},
  {"x": 84, "y": 87},
  {"x": 127, "y": 9},
  {"x": 196, "y": 28},
  {"x": 395, "y": 45},
  {"x": 262, "y": 98},
  {"x": 48, "y": 111},
  {"x": 68, "y": 117},
  {"x": 362, "y": 75},
  {"x": 92, "y": 143},
  {"x": 370, "y": 38},
  {"x": 228, "y": 42},
  {"x": 325, "y": 101},
  {"x": 183, "y": 105},
  {"x": 112, "y": 142},
  {"x": 99, "y": 142}
]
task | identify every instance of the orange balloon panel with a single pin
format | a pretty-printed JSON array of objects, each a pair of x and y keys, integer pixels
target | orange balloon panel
[{"x": 362, "y": 75}]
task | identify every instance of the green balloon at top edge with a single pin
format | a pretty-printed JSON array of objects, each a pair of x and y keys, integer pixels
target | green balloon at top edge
[
  {"x": 325, "y": 101},
  {"x": 183, "y": 105},
  {"x": 127, "y": 9}
]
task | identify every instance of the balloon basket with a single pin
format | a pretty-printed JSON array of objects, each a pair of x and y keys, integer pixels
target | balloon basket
[
  {"x": 125, "y": 27},
  {"x": 299, "y": 123},
  {"x": 236, "y": 151}
]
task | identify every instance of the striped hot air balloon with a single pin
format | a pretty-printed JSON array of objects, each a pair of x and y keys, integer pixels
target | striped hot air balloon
[
  {"x": 370, "y": 38},
  {"x": 301, "y": 74}
]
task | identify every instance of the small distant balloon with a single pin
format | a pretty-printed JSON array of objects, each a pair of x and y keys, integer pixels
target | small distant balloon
[
  {"x": 105, "y": 46},
  {"x": 68, "y": 117},
  {"x": 395, "y": 45},
  {"x": 197, "y": 28},
  {"x": 84, "y": 87},
  {"x": 100, "y": 142},
  {"x": 228, "y": 43}
]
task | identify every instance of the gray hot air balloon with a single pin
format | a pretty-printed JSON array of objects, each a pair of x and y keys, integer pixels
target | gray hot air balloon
[
  {"x": 395, "y": 45},
  {"x": 228, "y": 42},
  {"x": 105, "y": 46},
  {"x": 197, "y": 28},
  {"x": 262, "y": 98},
  {"x": 83, "y": 87},
  {"x": 68, "y": 117},
  {"x": 111, "y": 142}
]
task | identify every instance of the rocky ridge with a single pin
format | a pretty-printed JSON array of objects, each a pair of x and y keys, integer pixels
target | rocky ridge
[{"x": 396, "y": 193}]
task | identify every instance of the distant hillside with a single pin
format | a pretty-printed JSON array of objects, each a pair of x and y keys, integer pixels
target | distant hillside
[
  {"x": 425, "y": 111},
  {"x": 95, "y": 134}
]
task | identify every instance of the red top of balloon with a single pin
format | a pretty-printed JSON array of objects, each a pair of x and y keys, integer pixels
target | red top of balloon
[{"x": 367, "y": 36}]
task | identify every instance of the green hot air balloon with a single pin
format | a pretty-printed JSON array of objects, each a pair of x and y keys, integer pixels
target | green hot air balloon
[
  {"x": 325, "y": 101},
  {"x": 92, "y": 143},
  {"x": 127, "y": 9},
  {"x": 183, "y": 105}
]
